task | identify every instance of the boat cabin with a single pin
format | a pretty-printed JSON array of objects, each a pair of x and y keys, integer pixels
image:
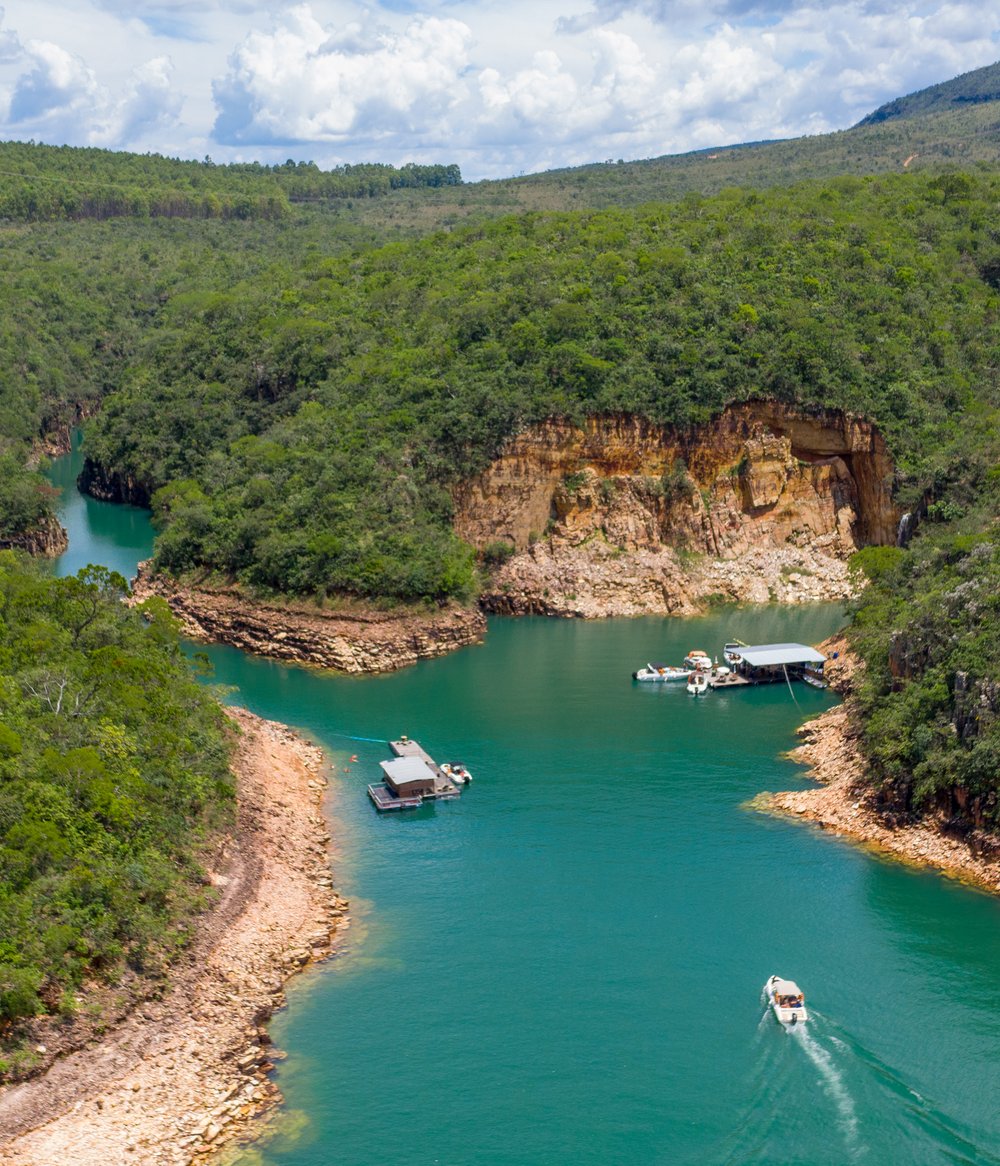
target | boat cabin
[
  {"x": 409, "y": 777},
  {"x": 787, "y": 994}
]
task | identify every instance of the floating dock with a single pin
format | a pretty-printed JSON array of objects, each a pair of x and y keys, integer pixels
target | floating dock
[
  {"x": 411, "y": 779},
  {"x": 771, "y": 664}
]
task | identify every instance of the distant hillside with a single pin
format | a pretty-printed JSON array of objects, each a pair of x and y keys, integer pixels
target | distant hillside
[
  {"x": 41, "y": 183},
  {"x": 964, "y": 137},
  {"x": 974, "y": 88}
]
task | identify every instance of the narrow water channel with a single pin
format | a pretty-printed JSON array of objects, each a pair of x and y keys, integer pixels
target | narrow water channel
[{"x": 564, "y": 966}]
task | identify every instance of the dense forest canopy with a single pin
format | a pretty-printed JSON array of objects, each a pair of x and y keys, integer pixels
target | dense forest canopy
[
  {"x": 113, "y": 771},
  {"x": 304, "y": 379},
  {"x": 38, "y": 183},
  {"x": 304, "y": 428}
]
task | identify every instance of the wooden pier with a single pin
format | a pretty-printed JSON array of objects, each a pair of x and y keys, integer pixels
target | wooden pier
[
  {"x": 414, "y": 777},
  {"x": 730, "y": 681}
]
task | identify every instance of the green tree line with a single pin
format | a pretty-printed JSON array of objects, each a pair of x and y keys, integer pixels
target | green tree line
[
  {"x": 40, "y": 183},
  {"x": 113, "y": 776},
  {"x": 304, "y": 429}
]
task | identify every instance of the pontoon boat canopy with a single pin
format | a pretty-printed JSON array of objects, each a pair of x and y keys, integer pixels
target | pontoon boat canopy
[{"x": 761, "y": 655}]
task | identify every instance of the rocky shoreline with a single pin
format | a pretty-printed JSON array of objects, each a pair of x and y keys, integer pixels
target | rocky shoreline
[
  {"x": 596, "y": 580},
  {"x": 188, "y": 1073},
  {"x": 845, "y": 804},
  {"x": 354, "y": 639}
]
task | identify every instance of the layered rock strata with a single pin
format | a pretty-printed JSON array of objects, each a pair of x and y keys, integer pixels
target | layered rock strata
[
  {"x": 48, "y": 539},
  {"x": 349, "y": 639},
  {"x": 623, "y": 517}
]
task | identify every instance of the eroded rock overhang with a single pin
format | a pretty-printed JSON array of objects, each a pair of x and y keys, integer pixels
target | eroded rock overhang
[{"x": 764, "y": 502}]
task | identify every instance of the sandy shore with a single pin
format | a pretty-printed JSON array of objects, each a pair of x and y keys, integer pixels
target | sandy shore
[
  {"x": 843, "y": 803},
  {"x": 183, "y": 1075}
]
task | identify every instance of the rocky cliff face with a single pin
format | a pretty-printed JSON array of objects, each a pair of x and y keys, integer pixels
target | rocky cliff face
[
  {"x": 112, "y": 486},
  {"x": 48, "y": 539},
  {"x": 352, "y": 639},
  {"x": 626, "y": 517}
]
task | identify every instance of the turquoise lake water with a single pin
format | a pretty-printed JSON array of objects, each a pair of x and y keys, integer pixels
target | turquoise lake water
[{"x": 564, "y": 965}]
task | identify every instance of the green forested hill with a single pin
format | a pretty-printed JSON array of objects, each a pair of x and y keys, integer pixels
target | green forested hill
[
  {"x": 980, "y": 86},
  {"x": 113, "y": 769},
  {"x": 304, "y": 388},
  {"x": 309, "y": 422}
]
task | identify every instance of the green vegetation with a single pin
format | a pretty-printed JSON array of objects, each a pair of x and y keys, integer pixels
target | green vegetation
[
  {"x": 113, "y": 772},
  {"x": 304, "y": 427},
  {"x": 38, "y": 183},
  {"x": 928, "y": 626},
  {"x": 299, "y": 365},
  {"x": 980, "y": 86}
]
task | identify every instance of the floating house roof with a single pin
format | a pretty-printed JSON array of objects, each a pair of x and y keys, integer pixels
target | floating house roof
[
  {"x": 406, "y": 769},
  {"x": 761, "y": 655}
]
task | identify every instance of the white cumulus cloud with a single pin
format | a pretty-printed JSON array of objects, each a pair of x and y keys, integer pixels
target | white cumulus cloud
[
  {"x": 302, "y": 82},
  {"x": 500, "y": 86},
  {"x": 57, "y": 98}
]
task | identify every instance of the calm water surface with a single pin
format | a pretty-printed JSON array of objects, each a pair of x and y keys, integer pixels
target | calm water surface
[{"x": 564, "y": 965}]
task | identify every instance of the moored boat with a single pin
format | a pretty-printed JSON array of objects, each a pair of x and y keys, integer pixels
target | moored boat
[
  {"x": 457, "y": 772},
  {"x": 660, "y": 673},
  {"x": 696, "y": 658},
  {"x": 697, "y": 684},
  {"x": 786, "y": 1000}
]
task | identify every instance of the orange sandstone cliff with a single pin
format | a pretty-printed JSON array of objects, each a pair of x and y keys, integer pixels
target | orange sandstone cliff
[{"x": 624, "y": 517}]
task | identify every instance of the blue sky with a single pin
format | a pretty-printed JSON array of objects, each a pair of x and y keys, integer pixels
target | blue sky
[{"x": 499, "y": 88}]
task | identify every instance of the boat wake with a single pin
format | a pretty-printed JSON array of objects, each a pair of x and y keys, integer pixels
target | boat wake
[{"x": 834, "y": 1084}]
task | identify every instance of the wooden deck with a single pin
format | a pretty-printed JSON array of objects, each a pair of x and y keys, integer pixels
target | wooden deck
[
  {"x": 385, "y": 799},
  {"x": 444, "y": 787}
]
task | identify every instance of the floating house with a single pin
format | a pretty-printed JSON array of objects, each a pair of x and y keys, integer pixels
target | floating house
[
  {"x": 410, "y": 779},
  {"x": 770, "y": 663}
]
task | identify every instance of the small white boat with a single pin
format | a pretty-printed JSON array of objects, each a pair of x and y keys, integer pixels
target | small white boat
[
  {"x": 731, "y": 652},
  {"x": 786, "y": 999},
  {"x": 456, "y": 772},
  {"x": 660, "y": 673},
  {"x": 698, "y": 682},
  {"x": 697, "y": 659}
]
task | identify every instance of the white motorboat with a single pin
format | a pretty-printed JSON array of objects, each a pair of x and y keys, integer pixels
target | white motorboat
[
  {"x": 786, "y": 999},
  {"x": 660, "y": 673},
  {"x": 698, "y": 659},
  {"x": 697, "y": 684},
  {"x": 456, "y": 772},
  {"x": 731, "y": 652}
]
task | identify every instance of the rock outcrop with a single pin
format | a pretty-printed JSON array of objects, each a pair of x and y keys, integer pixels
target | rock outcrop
[
  {"x": 112, "y": 486},
  {"x": 351, "y": 638},
  {"x": 48, "y": 539},
  {"x": 846, "y": 802},
  {"x": 624, "y": 517}
]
